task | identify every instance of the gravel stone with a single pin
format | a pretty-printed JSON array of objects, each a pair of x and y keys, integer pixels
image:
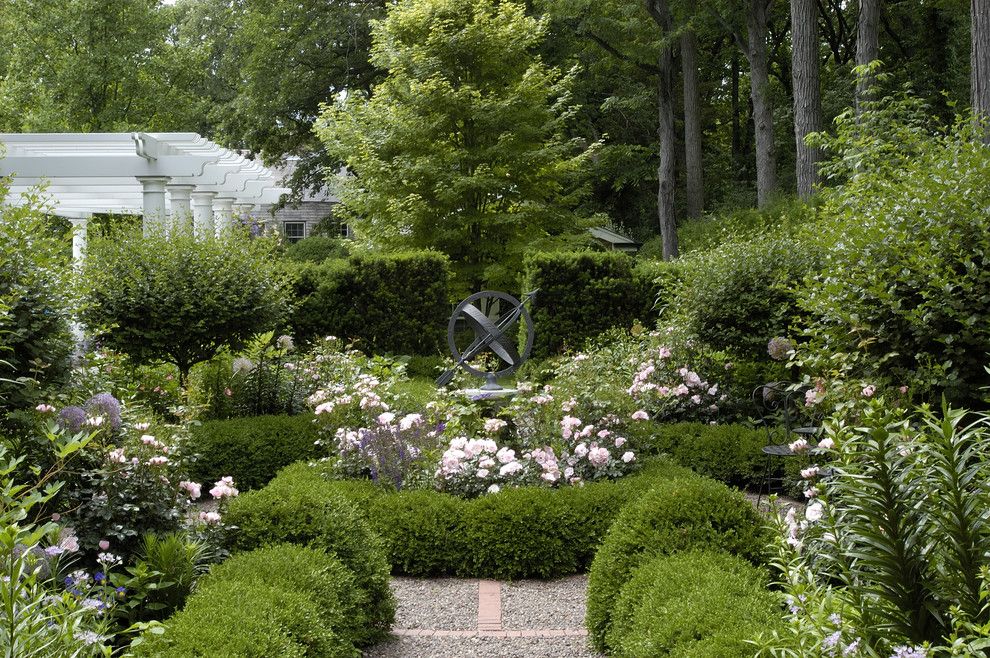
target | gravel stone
[
  {"x": 437, "y": 603},
  {"x": 533, "y": 604},
  {"x": 482, "y": 647}
]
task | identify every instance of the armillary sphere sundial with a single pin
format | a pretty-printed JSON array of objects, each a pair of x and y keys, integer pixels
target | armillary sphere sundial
[{"x": 493, "y": 317}]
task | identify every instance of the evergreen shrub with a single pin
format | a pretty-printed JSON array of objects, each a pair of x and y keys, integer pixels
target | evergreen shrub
[
  {"x": 676, "y": 515},
  {"x": 693, "y": 604},
  {"x": 582, "y": 294},
  {"x": 301, "y": 507},
  {"x": 728, "y": 453},
  {"x": 252, "y": 450},
  {"x": 247, "y": 620},
  {"x": 316, "y": 249},
  {"x": 396, "y": 303}
]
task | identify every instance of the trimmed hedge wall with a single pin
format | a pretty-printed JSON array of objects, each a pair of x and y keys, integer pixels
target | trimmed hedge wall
[
  {"x": 583, "y": 294},
  {"x": 728, "y": 453},
  {"x": 518, "y": 533},
  {"x": 303, "y": 508},
  {"x": 277, "y": 602},
  {"x": 692, "y": 605},
  {"x": 395, "y": 303},
  {"x": 676, "y": 515},
  {"x": 251, "y": 450}
]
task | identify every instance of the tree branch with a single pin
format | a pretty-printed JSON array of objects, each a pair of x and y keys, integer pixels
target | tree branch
[{"x": 652, "y": 69}]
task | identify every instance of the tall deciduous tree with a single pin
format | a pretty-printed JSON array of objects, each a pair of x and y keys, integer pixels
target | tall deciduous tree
[
  {"x": 460, "y": 148},
  {"x": 693, "y": 171},
  {"x": 660, "y": 11},
  {"x": 759, "y": 80},
  {"x": 980, "y": 61},
  {"x": 807, "y": 91},
  {"x": 867, "y": 47}
]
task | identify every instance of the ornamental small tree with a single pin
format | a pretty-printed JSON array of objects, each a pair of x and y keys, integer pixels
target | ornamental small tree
[
  {"x": 461, "y": 148},
  {"x": 178, "y": 299}
]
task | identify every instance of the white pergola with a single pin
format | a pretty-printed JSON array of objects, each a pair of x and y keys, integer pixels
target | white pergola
[{"x": 171, "y": 179}]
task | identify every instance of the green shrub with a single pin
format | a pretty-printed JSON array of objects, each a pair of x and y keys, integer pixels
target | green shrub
[
  {"x": 316, "y": 249},
  {"x": 697, "y": 604},
  {"x": 422, "y": 531},
  {"x": 180, "y": 299},
  {"x": 247, "y": 621},
  {"x": 252, "y": 450},
  {"x": 905, "y": 282},
  {"x": 676, "y": 515},
  {"x": 300, "y": 507},
  {"x": 739, "y": 296},
  {"x": 319, "y": 575},
  {"x": 395, "y": 303},
  {"x": 583, "y": 294},
  {"x": 34, "y": 302},
  {"x": 728, "y": 453},
  {"x": 519, "y": 533}
]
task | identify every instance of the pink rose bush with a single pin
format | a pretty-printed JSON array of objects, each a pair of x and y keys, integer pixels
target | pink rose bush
[{"x": 667, "y": 389}]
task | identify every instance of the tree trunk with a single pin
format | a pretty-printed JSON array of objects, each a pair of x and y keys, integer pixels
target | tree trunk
[
  {"x": 979, "y": 83},
  {"x": 807, "y": 92},
  {"x": 660, "y": 12},
  {"x": 692, "y": 125},
  {"x": 867, "y": 48},
  {"x": 766, "y": 161},
  {"x": 737, "y": 138}
]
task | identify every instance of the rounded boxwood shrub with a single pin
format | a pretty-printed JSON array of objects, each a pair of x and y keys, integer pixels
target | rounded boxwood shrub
[
  {"x": 320, "y": 575},
  {"x": 676, "y": 515},
  {"x": 252, "y": 450},
  {"x": 248, "y": 620},
  {"x": 301, "y": 507},
  {"x": 518, "y": 533},
  {"x": 421, "y": 531},
  {"x": 728, "y": 453},
  {"x": 698, "y": 604}
]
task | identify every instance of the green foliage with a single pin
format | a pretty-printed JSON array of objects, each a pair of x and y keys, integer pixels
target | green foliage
[
  {"x": 248, "y": 621},
  {"x": 904, "y": 283},
  {"x": 251, "y": 450},
  {"x": 317, "y": 248},
  {"x": 301, "y": 507},
  {"x": 740, "y": 295},
  {"x": 34, "y": 302},
  {"x": 180, "y": 299},
  {"x": 320, "y": 575},
  {"x": 179, "y": 560},
  {"x": 676, "y": 515},
  {"x": 397, "y": 303},
  {"x": 783, "y": 216},
  {"x": 583, "y": 294},
  {"x": 461, "y": 147},
  {"x": 692, "y": 604},
  {"x": 422, "y": 531},
  {"x": 728, "y": 453}
]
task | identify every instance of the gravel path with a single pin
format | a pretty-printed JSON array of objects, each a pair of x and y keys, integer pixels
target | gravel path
[{"x": 455, "y": 618}]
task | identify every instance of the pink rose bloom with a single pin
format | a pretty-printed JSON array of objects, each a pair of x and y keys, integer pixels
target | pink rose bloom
[
  {"x": 809, "y": 473},
  {"x": 826, "y": 444},
  {"x": 696, "y": 399},
  {"x": 104, "y": 545},
  {"x": 568, "y": 472},
  {"x": 581, "y": 450},
  {"x": 385, "y": 418},
  {"x": 903, "y": 389},
  {"x": 228, "y": 392},
  {"x": 640, "y": 415},
  {"x": 117, "y": 456},
  {"x": 664, "y": 352},
  {"x": 550, "y": 477},
  {"x": 812, "y": 397},
  {"x": 69, "y": 543},
  {"x": 209, "y": 518},
  {"x": 149, "y": 440},
  {"x": 494, "y": 425},
  {"x": 869, "y": 390},
  {"x": 487, "y": 462},
  {"x": 663, "y": 390},
  {"x": 194, "y": 489},
  {"x": 598, "y": 456},
  {"x": 681, "y": 390},
  {"x": 494, "y": 489},
  {"x": 628, "y": 456},
  {"x": 620, "y": 441},
  {"x": 510, "y": 469},
  {"x": 45, "y": 408},
  {"x": 482, "y": 473},
  {"x": 224, "y": 488},
  {"x": 158, "y": 461},
  {"x": 506, "y": 456},
  {"x": 409, "y": 421}
]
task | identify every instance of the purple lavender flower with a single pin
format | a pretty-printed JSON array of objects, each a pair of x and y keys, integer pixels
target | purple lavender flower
[
  {"x": 106, "y": 405},
  {"x": 71, "y": 419}
]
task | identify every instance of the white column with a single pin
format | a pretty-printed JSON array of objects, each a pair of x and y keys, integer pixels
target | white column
[
  {"x": 155, "y": 213},
  {"x": 202, "y": 209},
  {"x": 179, "y": 195},
  {"x": 79, "y": 226},
  {"x": 223, "y": 210}
]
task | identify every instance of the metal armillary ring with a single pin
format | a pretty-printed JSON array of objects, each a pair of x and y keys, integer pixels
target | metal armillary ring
[{"x": 490, "y": 333}]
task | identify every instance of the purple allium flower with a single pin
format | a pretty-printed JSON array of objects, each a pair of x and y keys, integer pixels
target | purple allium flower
[
  {"x": 71, "y": 419},
  {"x": 106, "y": 405},
  {"x": 778, "y": 347}
]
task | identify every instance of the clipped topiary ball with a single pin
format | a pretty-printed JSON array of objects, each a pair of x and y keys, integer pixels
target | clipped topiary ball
[{"x": 676, "y": 515}]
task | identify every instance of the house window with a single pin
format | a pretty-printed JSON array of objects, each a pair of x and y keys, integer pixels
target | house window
[
  {"x": 294, "y": 231},
  {"x": 344, "y": 233}
]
